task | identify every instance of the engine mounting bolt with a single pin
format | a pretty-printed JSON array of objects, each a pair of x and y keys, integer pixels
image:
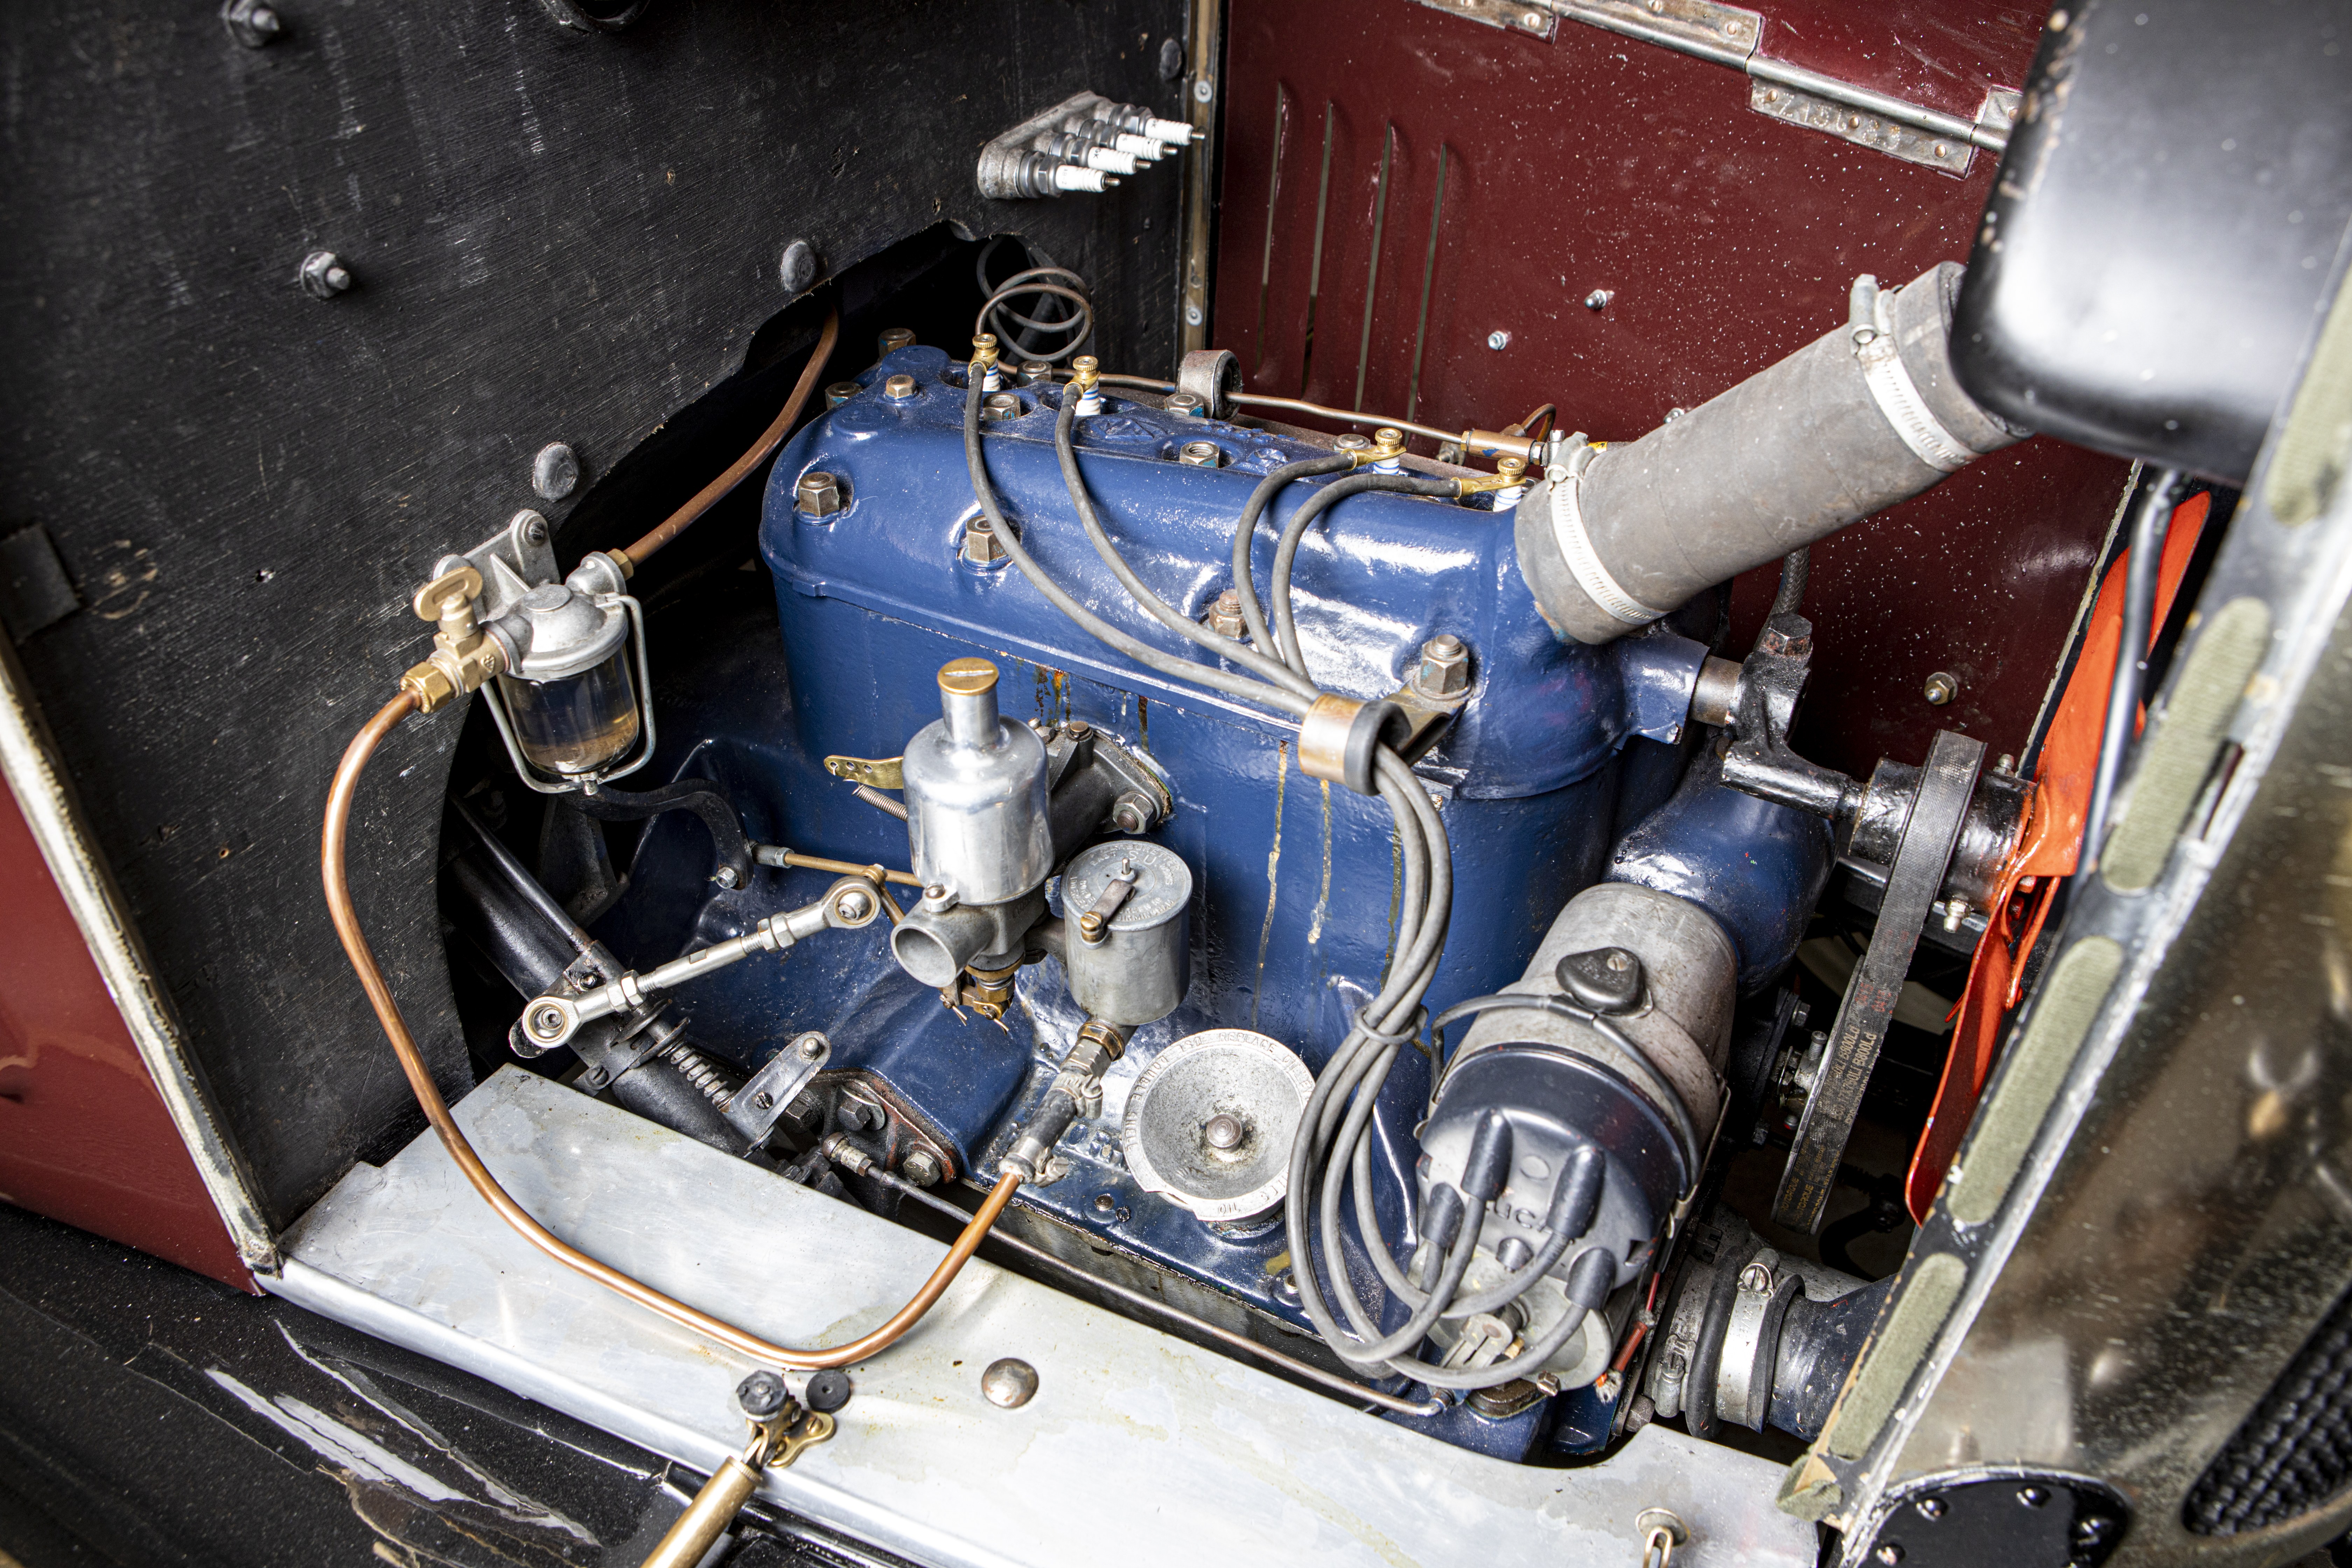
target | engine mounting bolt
[
  {"x": 893, "y": 339},
  {"x": 1201, "y": 454},
  {"x": 1225, "y": 617},
  {"x": 1443, "y": 672},
  {"x": 1941, "y": 687},
  {"x": 1009, "y": 1384},
  {"x": 922, "y": 1167},
  {"x": 1000, "y": 406},
  {"x": 900, "y": 389},
  {"x": 324, "y": 275},
  {"x": 841, "y": 392}
]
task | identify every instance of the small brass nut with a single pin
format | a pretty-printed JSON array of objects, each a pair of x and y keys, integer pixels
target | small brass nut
[
  {"x": 1443, "y": 672},
  {"x": 431, "y": 685},
  {"x": 893, "y": 339},
  {"x": 819, "y": 494},
  {"x": 1941, "y": 687},
  {"x": 841, "y": 392},
  {"x": 1388, "y": 440},
  {"x": 900, "y": 389},
  {"x": 1000, "y": 406},
  {"x": 981, "y": 546}
]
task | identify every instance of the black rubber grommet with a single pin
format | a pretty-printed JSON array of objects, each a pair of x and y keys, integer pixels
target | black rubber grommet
[
  {"x": 1375, "y": 722},
  {"x": 827, "y": 1391}
]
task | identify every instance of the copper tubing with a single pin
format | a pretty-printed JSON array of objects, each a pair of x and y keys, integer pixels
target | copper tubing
[
  {"x": 799, "y": 861},
  {"x": 770, "y": 439},
  {"x": 333, "y": 839}
]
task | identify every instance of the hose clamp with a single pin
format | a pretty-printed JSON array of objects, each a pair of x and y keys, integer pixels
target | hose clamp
[
  {"x": 1897, "y": 396},
  {"x": 1575, "y": 545}
]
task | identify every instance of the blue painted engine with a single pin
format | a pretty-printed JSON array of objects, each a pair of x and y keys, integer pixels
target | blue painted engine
[{"x": 1558, "y": 768}]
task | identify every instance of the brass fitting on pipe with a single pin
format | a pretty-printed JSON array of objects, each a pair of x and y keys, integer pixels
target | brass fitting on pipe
[{"x": 463, "y": 655}]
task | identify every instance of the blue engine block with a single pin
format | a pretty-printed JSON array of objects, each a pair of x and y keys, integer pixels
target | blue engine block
[{"x": 1561, "y": 751}]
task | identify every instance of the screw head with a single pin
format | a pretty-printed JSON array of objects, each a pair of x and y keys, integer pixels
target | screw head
[
  {"x": 1009, "y": 1384},
  {"x": 1757, "y": 1279},
  {"x": 761, "y": 1395},
  {"x": 819, "y": 493},
  {"x": 323, "y": 274},
  {"x": 2033, "y": 1497},
  {"x": 547, "y": 1022},
  {"x": 811, "y": 1047},
  {"x": 1286, "y": 1288},
  {"x": 1890, "y": 1554},
  {"x": 535, "y": 530},
  {"x": 922, "y": 1167},
  {"x": 900, "y": 388},
  {"x": 1941, "y": 687},
  {"x": 555, "y": 472},
  {"x": 1598, "y": 299},
  {"x": 1931, "y": 1508},
  {"x": 252, "y": 23},
  {"x": 855, "y": 904},
  {"x": 725, "y": 877},
  {"x": 1222, "y": 1131},
  {"x": 797, "y": 269},
  {"x": 1499, "y": 340},
  {"x": 1352, "y": 442},
  {"x": 763, "y": 1100}
]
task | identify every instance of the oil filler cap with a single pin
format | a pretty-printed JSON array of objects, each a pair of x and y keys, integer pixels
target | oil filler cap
[{"x": 1209, "y": 1124}]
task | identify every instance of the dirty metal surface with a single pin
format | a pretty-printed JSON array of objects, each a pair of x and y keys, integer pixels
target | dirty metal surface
[
  {"x": 1217, "y": 1459},
  {"x": 1394, "y": 197}
]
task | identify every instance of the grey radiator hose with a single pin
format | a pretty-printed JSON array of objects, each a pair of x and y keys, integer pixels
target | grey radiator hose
[{"x": 1861, "y": 418}]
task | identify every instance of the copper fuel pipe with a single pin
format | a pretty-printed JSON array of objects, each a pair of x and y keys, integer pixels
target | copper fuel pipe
[{"x": 332, "y": 842}]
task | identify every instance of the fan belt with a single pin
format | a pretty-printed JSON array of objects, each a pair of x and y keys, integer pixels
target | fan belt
[{"x": 1947, "y": 784}]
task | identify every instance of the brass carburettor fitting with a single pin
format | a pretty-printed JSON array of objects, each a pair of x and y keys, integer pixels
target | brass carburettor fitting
[{"x": 463, "y": 655}]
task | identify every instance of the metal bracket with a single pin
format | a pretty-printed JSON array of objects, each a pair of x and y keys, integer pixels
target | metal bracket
[
  {"x": 518, "y": 558},
  {"x": 880, "y": 773},
  {"x": 1760, "y": 761},
  {"x": 1946, "y": 786},
  {"x": 1947, "y": 154},
  {"x": 1512, "y": 15},
  {"x": 758, "y": 1106}
]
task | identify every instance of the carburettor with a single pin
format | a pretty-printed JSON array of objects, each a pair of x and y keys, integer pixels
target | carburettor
[{"x": 978, "y": 826}]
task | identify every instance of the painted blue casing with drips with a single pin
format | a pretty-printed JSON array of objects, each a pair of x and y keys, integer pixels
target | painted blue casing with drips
[{"x": 1296, "y": 880}]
